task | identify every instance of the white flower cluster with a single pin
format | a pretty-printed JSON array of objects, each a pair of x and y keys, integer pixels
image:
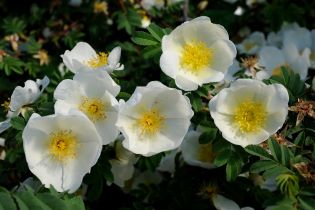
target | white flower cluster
[
  {"x": 61, "y": 148},
  {"x": 292, "y": 47}
]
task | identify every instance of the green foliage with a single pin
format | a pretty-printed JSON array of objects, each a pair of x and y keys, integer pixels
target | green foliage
[
  {"x": 13, "y": 25},
  {"x": 292, "y": 82},
  {"x": 28, "y": 199}
]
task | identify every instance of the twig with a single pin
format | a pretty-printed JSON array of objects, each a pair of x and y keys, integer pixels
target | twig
[{"x": 186, "y": 10}]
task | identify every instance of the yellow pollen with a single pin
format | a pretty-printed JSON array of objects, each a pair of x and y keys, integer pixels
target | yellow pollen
[
  {"x": 250, "y": 116},
  {"x": 196, "y": 56},
  {"x": 205, "y": 153},
  {"x": 277, "y": 70},
  {"x": 63, "y": 145},
  {"x": 100, "y": 60},
  {"x": 6, "y": 105},
  {"x": 248, "y": 46},
  {"x": 150, "y": 122},
  {"x": 94, "y": 108}
]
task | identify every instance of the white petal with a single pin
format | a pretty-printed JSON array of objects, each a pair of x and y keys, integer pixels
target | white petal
[
  {"x": 185, "y": 84},
  {"x": 224, "y": 53},
  {"x": 271, "y": 57},
  {"x": 5, "y": 125},
  {"x": 114, "y": 56},
  {"x": 69, "y": 91},
  {"x": 222, "y": 203},
  {"x": 95, "y": 83}
]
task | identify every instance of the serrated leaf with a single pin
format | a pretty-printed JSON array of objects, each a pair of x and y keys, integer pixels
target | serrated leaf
[
  {"x": 143, "y": 38},
  {"x": 75, "y": 203},
  {"x": 52, "y": 201},
  {"x": 285, "y": 156},
  {"x": 262, "y": 165},
  {"x": 156, "y": 31},
  {"x": 32, "y": 201},
  {"x": 21, "y": 205},
  {"x": 275, "y": 149},
  {"x": 6, "y": 201},
  {"x": 306, "y": 202},
  {"x": 151, "y": 51},
  {"x": 258, "y": 151},
  {"x": 18, "y": 123},
  {"x": 275, "y": 171},
  {"x": 222, "y": 158},
  {"x": 233, "y": 169},
  {"x": 307, "y": 191}
]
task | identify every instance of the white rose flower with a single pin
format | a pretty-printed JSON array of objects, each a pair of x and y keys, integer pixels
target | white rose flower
[
  {"x": 92, "y": 93},
  {"x": 155, "y": 119},
  {"x": 61, "y": 149},
  {"x": 197, "y": 52},
  {"x": 22, "y": 96},
  {"x": 252, "y": 44},
  {"x": 28, "y": 94},
  {"x": 272, "y": 59},
  {"x": 84, "y": 58},
  {"x": 197, "y": 154},
  {"x": 249, "y": 111}
]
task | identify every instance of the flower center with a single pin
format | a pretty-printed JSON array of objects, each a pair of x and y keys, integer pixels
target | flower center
[
  {"x": 248, "y": 46},
  {"x": 250, "y": 116},
  {"x": 94, "y": 108},
  {"x": 6, "y": 105},
  {"x": 100, "y": 60},
  {"x": 63, "y": 145},
  {"x": 205, "y": 153},
  {"x": 150, "y": 122},
  {"x": 196, "y": 56}
]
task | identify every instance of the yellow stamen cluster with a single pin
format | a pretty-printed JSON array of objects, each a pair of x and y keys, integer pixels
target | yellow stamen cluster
[
  {"x": 250, "y": 116},
  {"x": 196, "y": 56},
  {"x": 63, "y": 145},
  {"x": 150, "y": 122},
  {"x": 100, "y": 60},
  {"x": 248, "y": 46},
  {"x": 205, "y": 153},
  {"x": 94, "y": 108},
  {"x": 6, "y": 105},
  {"x": 101, "y": 7}
]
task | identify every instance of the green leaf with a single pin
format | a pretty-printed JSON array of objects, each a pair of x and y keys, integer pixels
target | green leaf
[
  {"x": 21, "y": 205},
  {"x": 222, "y": 158},
  {"x": 32, "y": 201},
  {"x": 262, "y": 165},
  {"x": 275, "y": 171},
  {"x": 306, "y": 202},
  {"x": 6, "y": 201},
  {"x": 258, "y": 151},
  {"x": 75, "y": 203},
  {"x": 13, "y": 25},
  {"x": 233, "y": 167},
  {"x": 300, "y": 139},
  {"x": 156, "y": 31},
  {"x": 275, "y": 149},
  {"x": 18, "y": 123},
  {"x": 52, "y": 201},
  {"x": 195, "y": 101},
  {"x": 307, "y": 191},
  {"x": 285, "y": 156},
  {"x": 151, "y": 51},
  {"x": 143, "y": 38},
  {"x": 208, "y": 136}
]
